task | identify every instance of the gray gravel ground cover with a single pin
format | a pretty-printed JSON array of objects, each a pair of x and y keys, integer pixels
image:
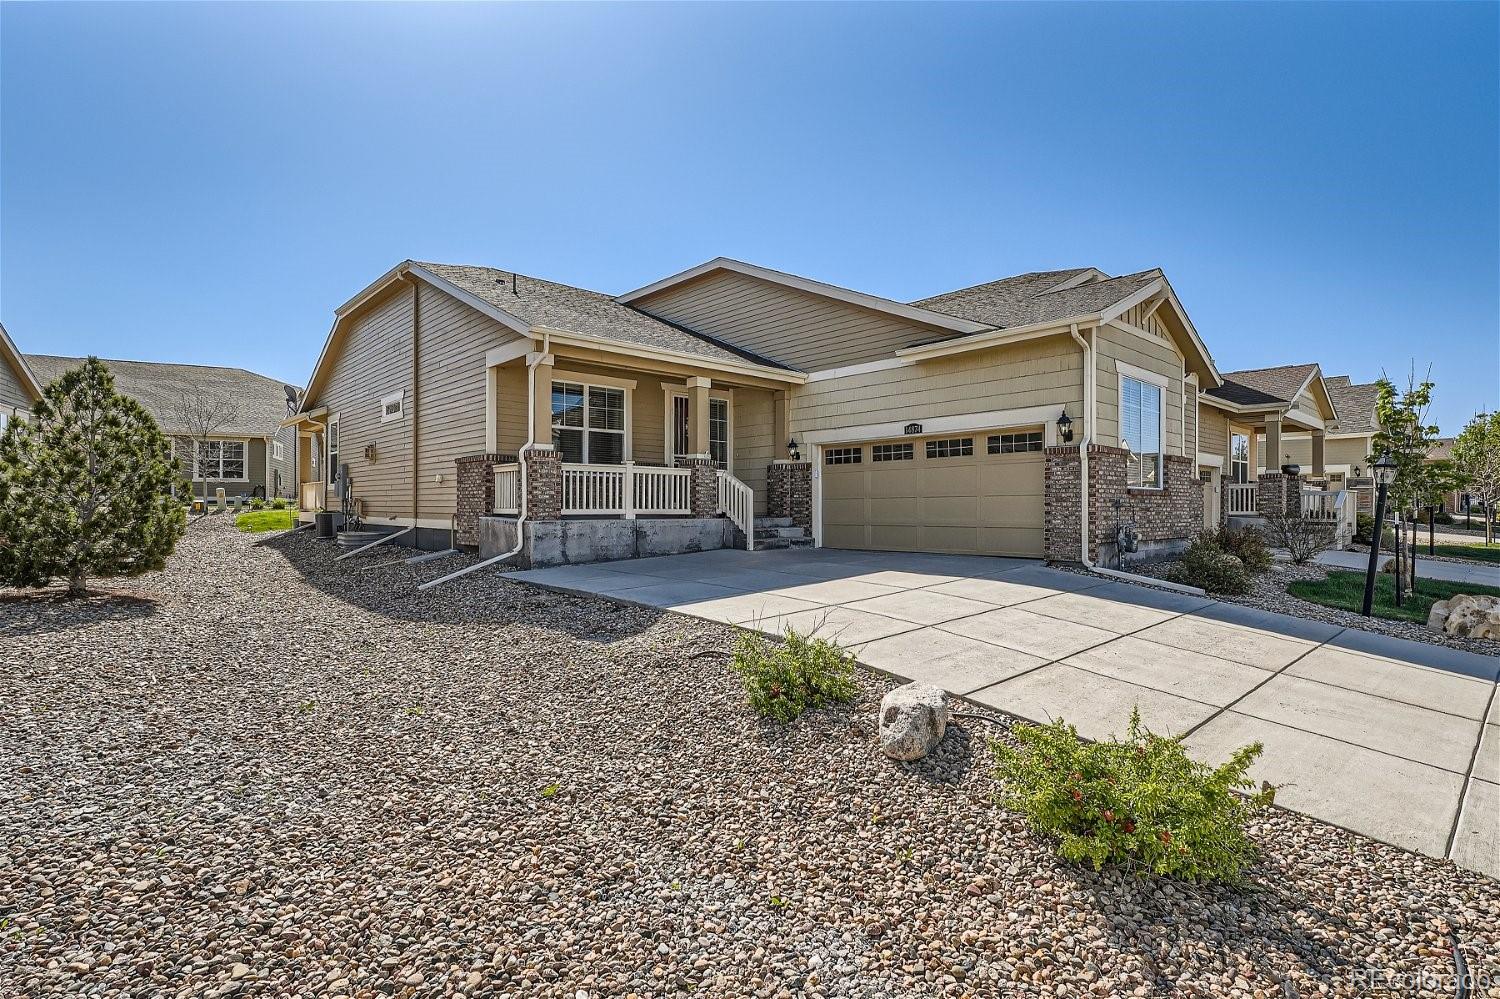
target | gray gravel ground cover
[{"x": 274, "y": 776}]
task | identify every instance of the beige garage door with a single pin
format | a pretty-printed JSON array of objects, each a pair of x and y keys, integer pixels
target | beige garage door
[{"x": 972, "y": 493}]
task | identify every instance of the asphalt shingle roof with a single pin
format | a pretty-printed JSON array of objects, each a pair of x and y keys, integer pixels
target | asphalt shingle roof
[
  {"x": 1025, "y": 299},
  {"x": 1263, "y": 386},
  {"x": 159, "y": 387},
  {"x": 1355, "y": 404},
  {"x": 578, "y": 310}
]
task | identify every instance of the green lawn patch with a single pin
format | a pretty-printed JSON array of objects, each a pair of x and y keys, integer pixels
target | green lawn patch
[
  {"x": 1479, "y": 552},
  {"x": 257, "y": 521},
  {"x": 1346, "y": 591}
]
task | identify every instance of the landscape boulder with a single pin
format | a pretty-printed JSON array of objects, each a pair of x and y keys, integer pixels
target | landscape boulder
[
  {"x": 913, "y": 718},
  {"x": 1467, "y": 615}
]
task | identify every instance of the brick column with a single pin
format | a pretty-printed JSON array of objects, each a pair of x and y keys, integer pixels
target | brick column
[
  {"x": 704, "y": 488},
  {"x": 543, "y": 484},
  {"x": 789, "y": 492},
  {"x": 1279, "y": 494},
  {"x": 476, "y": 494}
]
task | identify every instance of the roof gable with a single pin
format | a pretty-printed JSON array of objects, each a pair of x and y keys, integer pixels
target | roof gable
[
  {"x": 1276, "y": 388},
  {"x": 16, "y": 361},
  {"x": 1355, "y": 404}
]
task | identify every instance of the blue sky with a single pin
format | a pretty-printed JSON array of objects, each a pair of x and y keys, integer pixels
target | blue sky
[{"x": 206, "y": 183}]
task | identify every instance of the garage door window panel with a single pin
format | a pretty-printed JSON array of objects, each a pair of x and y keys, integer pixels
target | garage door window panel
[{"x": 952, "y": 447}]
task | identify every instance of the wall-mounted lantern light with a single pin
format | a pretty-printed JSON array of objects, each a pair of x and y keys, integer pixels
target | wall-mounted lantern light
[
  {"x": 794, "y": 449},
  {"x": 1065, "y": 428}
]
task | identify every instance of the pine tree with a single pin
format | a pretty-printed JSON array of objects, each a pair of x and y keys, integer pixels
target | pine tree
[{"x": 86, "y": 487}]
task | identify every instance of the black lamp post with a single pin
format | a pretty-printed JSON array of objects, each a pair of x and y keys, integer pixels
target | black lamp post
[
  {"x": 1065, "y": 428},
  {"x": 1384, "y": 470}
]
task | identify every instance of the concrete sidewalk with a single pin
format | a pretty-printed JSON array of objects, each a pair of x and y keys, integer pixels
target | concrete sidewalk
[
  {"x": 1453, "y": 572},
  {"x": 1394, "y": 739}
]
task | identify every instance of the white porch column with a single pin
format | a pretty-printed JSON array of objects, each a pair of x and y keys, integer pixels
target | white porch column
[{"x": 698, "y": 416}]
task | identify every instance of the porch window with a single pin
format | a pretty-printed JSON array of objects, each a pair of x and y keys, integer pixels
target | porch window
[
  {"x": 1239, "y": 458},
  {"x": 588, "y": 423},
  {"x": 718, "y": 429},
  {"x": 1141, "y": 431}
]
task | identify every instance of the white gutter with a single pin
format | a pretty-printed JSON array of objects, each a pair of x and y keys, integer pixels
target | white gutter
[{"x": 530, "y": 445}]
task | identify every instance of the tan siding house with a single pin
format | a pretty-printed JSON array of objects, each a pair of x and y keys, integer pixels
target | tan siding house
[
  {"x": 490, "y": 409},
  {"x": 19, "y": 387}
]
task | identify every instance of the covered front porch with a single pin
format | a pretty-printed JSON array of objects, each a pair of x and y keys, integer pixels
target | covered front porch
[
  {"x": 1258, "y": 440},
  {"x": 595, "y": 454}
]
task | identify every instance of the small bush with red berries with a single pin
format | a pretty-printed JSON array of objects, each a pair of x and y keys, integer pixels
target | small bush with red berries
[{"x": 1141, "y": 802}]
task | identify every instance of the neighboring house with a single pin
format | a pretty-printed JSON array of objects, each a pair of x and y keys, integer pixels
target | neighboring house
[
  {"x": 1347, "y": 444},
  {"x": 19, "y": 389},
  {"x": 500, "y": 410},
  {"x": 250, "y": 455},
  {"x": 1248, "y": 425}
]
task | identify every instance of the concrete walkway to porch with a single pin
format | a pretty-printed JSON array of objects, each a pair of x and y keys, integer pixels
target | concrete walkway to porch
[
  {"x": 1453, "y": 572},
  {"x": 1397, "y": 740}
]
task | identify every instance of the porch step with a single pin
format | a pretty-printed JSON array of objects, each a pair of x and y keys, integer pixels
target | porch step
[
  {"x": 775, "y": 544},
  {"x": 763, "y": 522},
  {"x": 766, "y": 533}
]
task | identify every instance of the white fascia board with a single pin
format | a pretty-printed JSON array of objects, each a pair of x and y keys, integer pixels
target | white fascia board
[
  {"x": 1213, "y": 460},
  {"x": 567, "y": 337},
  {"x": 997, "y": 419},
  {"x": 873, "y": 302},
  {"x": 18, "y": 362},
  {"x": 993, "y": 338},
  {"x": 1187, "y": 324},
  {"x": 507, "y": 352},
  {"x": 884, "y": 364},
  {"x": 1124, "y": 305},
  {"x": 1309, "y": 421}
]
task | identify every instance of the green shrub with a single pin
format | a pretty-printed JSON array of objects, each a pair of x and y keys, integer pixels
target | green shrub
[
  {"x": 1364, "y": 531},
  {"x": 256, "y": 503},
  {"x": 784, "y": 679},
  {"x": 1210, "y": 567},
  {"x": 1247, "y": 545},
  {"x": 1141, "y": 802},
  {"x": 279, "y": 503}
]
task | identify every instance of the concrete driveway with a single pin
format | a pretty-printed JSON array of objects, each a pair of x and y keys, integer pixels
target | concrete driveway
[{"x": 1397, "y": 740}]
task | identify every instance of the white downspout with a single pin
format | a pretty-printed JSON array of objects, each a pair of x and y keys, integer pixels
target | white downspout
[
  {"x": 521, "y": 456},
  {"x": 1087, "y": 346}
]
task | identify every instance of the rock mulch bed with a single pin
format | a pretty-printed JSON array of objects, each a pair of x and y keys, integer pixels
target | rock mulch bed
[
  {"x": 1268, "y": 592},
  {"x": 282, "y": 777}
]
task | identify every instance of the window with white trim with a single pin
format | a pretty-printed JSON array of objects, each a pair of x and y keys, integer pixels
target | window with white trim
[
  {"x": 843, "y": 456},
  {"x": 892, "y": 452},
  {"x": 953, "y": 447},
  {"x": 588, "y": 423},
  {"x": 278, "y": 452},
  {"x": 221, "y": 460},
  {"x": 1239, "y": 458},
  {"x": 1141, "y": 431},
  {"x": 1030, "y": 440}
]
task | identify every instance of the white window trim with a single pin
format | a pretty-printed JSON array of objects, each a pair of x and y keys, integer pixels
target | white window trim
[
  {"x": 278, "y": 451},
  {"x": 597, "y": 381},
  {"x": 1122, "y": 372},
  {"x": 670, "y": 392},
  {"x": 245, "y": 463},
  {"x": 399, "y": 398}
]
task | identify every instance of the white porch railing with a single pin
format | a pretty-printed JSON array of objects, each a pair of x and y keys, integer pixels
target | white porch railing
[
  {"x": 508, "y": 488},
  {"x": 1242, "y": 498},
  {"x": 625, "y": 490},
  {"x": 1319, "y": 505},
  {"x": 737, "y": 502}
]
